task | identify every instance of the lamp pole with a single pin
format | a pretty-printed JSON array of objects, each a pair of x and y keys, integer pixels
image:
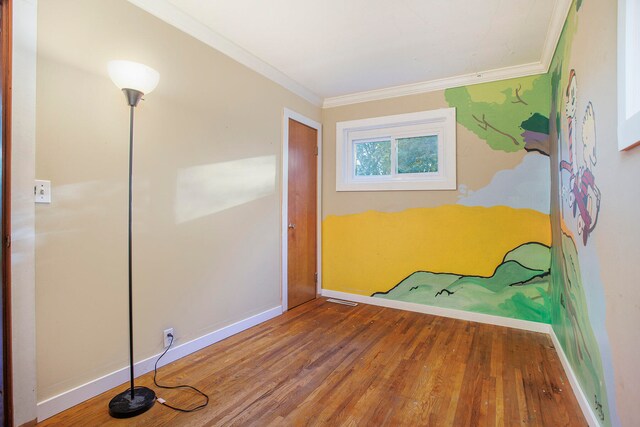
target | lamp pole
[
  {"x": 125, "y": 74},
  {"x": 133, "y": 97}
]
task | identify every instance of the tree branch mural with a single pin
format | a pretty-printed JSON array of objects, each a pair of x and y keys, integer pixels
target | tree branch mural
[
  {"x": 484, "y": 124},
  {"x": 518, "y": 98},
  {"x": 509, "y": 115}
]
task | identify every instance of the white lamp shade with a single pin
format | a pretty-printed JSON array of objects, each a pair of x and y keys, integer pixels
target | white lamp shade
[{"x": 133, "y": 75}]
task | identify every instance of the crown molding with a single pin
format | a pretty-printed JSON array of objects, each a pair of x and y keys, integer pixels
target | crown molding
[
  {"x": 170, "y": 14},
  {"x": 558, "y": 17},
  {"x": 439, "y": 84}
]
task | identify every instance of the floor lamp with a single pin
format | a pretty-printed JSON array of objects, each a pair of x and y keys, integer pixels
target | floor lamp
[{"x": 135, "y": 80}]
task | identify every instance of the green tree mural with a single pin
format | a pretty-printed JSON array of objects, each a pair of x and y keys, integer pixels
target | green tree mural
[{"x": 510, "y": 115}]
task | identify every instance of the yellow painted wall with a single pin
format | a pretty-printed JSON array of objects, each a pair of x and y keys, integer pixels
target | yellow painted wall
[{"x": 373, "y": 251}]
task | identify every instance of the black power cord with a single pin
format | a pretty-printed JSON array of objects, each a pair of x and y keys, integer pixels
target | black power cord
[{"x": 180, "y": 386}]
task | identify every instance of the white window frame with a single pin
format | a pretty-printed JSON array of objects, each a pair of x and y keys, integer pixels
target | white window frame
[
  {"x": 628, "y": 74},
  {"x": 440, "y": 122}
]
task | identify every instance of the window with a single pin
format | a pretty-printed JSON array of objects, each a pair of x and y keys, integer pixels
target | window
[
  {"x": 415, "y": 151},
  {"x": 628, "y": 73}
]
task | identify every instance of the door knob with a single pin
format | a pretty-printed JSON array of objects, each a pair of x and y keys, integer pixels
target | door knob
[{"x": 291, "y": 225}]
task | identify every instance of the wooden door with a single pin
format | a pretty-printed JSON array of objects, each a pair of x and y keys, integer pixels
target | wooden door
[{"x": 302, "y": 211}]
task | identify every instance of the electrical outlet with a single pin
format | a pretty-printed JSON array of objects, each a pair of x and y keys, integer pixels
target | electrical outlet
[{"x": 167, "y": 339}]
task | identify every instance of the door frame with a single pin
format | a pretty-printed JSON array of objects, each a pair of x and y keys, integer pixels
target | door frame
[
  {"x": 290, "y": 114},
  {"x": 6, "y": 40}
]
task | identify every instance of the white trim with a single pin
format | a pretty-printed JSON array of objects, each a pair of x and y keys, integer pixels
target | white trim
[
  {"x": 559, "y": 15},
  {"x": 164, "y": 10},
  {"x": 573, "y": 380},
  {"x": 439, "y": 311},
  {"x": 66, "y": 400},
  {"x": 439, "y": 84},
  {"x": 628, "y": 71},
  {"x": 290, "y": 114},
  {"x": 23, "y": 242}
]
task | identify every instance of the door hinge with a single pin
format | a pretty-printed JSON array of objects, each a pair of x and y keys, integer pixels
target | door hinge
[
  {"x": 316, "y": 150},
  {"x": 315, "y": 277},
  {"x": 7, "y": 241}
]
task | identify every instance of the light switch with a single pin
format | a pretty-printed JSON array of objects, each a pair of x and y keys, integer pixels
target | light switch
[{"x": 42, "y": 191}]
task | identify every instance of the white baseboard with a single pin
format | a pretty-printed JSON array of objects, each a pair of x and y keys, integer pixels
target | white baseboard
[
  {"x": 439, "y": 311},
  {"x": 526, "y": 325},
  {"x": 66, "y": 400},
  {"x": 585, "y": 404}
]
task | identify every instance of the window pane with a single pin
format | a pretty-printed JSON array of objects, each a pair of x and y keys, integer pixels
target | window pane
[
  {"x": 418, "y": 154},
  {"x": 373, "y": 158}
]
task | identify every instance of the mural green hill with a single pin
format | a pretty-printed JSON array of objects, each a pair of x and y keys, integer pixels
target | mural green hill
[
  {"x": 573, "y": 327},
  {"x": 518, "y": 288}
]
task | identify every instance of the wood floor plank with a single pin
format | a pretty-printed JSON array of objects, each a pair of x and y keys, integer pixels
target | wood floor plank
[{"x": 329, "y": 364}]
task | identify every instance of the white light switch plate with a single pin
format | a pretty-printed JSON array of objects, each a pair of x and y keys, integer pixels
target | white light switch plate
[{"x": 42, "y": 191}]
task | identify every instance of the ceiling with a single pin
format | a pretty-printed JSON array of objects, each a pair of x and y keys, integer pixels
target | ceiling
[{"x": 343, "y": 51}]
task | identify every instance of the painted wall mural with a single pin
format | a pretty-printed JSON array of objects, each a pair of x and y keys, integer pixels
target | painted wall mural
[
  {"x": 512, "y": 116},
  {"x": 518, "y": 287},
  {"x": 492, "y": 252},
  {"x": 492, "y": 260},
  {"x": 509, "y": 115},
  {"x": 578, "y": 312},
  {"x": 579, "y": 190},
  {"x": 525, "y": 187}
]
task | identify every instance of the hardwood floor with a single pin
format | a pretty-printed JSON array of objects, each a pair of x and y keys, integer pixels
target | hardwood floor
[{"x": 329, "y": 364}]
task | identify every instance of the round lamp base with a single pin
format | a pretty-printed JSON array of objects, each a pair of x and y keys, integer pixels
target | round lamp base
[{"x": 122, "y": 406}]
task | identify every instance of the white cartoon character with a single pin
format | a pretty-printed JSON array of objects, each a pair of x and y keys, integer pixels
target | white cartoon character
[
  {"x": 570, "y": 111},
  {"x": 586, "y": 193}
]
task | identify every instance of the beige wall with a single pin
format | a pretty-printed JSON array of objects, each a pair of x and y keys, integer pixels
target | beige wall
[
  {"x": 477, "y": 162},
  {"x": 206, "y": 190}
]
